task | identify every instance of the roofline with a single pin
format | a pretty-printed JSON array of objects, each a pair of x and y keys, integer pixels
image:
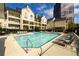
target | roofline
[{"x": 8, "y": 8}]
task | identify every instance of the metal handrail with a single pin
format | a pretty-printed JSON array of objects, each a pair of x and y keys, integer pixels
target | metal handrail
[
  {"x": 27, "y": 45},
  {"x": 28, "y": 41},
  {"x": 76, "y": 36}
]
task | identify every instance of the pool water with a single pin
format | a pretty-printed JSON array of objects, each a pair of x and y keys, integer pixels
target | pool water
[{"x": 35, "y": 40}]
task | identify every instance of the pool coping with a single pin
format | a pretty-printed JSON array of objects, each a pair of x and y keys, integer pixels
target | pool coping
[{"x": 49, "y": 44}]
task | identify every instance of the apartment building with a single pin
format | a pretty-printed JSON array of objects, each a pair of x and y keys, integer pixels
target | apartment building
[
  {"x": 31, "y": 21},
  {"x": 27, "y": 19},
  {"x": 37, "y": 22},
  {"x": 63, "y": 14},
  {"x": 12, "y": 19},
  {"x": 64, "y": 11},
  {"x": 57, "y": 10},
  {"x": 43, "y": 23},
  {"x": 2, "y": 15},
  {"x": 67, "y": 11},
  {"x": 22, "y": 20},
  {"x": 57, "y": 24}
]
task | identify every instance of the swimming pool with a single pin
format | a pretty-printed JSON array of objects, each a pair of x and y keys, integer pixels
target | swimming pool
[{"x": 35, "y": 40}]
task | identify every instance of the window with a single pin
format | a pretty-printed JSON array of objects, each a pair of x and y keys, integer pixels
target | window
[
  {"x": 31, "y": 27},
  {"x": 31, "y": 23},
  {"x": 25, "y": 27},
  {"x": 13, "y": 26},
  {"x": 25, "y": 22},
  {"x": 14, "y": 20},
  {"x": 70, "y": 11},
  {"x": 31, "y": 16},
  {"x": 26, "y": 16}
]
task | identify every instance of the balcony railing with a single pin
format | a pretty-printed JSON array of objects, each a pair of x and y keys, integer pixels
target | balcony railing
[
  {"x": 13, "y": 16},
  {"x": 12, "y": 22}
]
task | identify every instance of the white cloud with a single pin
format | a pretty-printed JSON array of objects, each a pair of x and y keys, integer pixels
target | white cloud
[
  {"x": 76, "y": 4},
  {"x": 46, "y": 12},
  {"x": 41, "y": 7},
  {"x": 76, "y": 10},
  {"x": 76, "y": 20},
  {"x": 49, "y": 13}
]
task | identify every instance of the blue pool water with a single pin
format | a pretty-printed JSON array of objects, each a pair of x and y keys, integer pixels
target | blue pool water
[{"x": 35, "y": 40}]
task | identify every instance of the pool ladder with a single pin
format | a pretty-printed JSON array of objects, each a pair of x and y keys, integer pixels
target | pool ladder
[{"x": 27, "y": 45}]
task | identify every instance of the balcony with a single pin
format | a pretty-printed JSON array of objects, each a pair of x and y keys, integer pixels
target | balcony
[
  {"x": 12, "y": 22},
  {"x": 13, "y": 26},
  {"x": 12, "y": 16}
]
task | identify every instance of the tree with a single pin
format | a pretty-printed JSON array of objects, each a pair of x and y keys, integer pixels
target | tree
[
  {"x": 71, "y": 26},
  {"x": 77, "y": 26}
]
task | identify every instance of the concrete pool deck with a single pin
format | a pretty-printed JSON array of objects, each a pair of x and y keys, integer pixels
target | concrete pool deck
[
  {"x": 13, "y": 49},
  {"x": 57, "y": 50}
]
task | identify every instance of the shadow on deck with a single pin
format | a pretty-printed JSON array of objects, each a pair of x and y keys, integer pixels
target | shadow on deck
[{"x": 2, "y": 47}]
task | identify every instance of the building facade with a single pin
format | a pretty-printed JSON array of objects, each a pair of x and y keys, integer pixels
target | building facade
[
  {"x": 57, "y": 10},
  {"x": 63, "y": 14},
  {"x": 31, "y": 21},
  {"x": 24, "y": 19},
  {"x": 27, "y": 19},
  {"x": 67, "y": 11},
  {"x": 64, "y": 11},
  {"x": 58, "y": 24},
  {"x": 2, "y": 15},
  {"x": 12, "y": 19}
]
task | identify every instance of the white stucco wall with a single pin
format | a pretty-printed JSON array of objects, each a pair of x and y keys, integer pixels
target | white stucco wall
[{"x": 27, "y": 13}]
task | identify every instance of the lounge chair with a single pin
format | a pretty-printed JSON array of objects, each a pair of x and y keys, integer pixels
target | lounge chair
[
  {"x": 64, "y": 41},
  {"x": 59, "y": 43},
  {"x": 69, "y": 38}
]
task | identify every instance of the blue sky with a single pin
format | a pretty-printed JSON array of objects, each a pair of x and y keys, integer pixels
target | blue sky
[
  {"x": 76, "y": 12},
  {"x": 38, "y": 8}
]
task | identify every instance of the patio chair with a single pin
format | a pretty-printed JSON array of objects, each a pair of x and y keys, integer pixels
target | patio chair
[
  {"x": 69, "y": 38},
  {"x": 59, "y": 43},
  {"x": 64, "y": 41}
]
